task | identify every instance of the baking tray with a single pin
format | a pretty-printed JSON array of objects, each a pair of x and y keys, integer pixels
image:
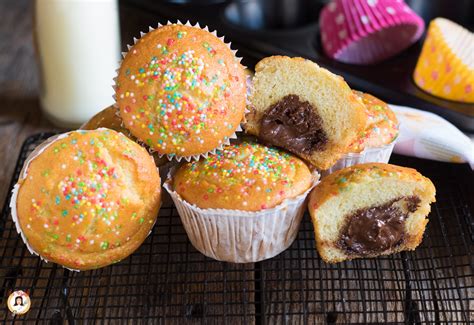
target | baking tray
[
  {"x": 166, "y": 281},
  {"x": 258, "y": 29}
]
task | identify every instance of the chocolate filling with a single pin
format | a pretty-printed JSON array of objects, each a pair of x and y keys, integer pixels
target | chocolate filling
[
  {"x": 376, "y": 229},
  {"x": 293, "y": 125}
]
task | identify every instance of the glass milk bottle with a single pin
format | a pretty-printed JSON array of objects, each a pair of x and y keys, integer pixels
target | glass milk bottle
[{"x": 78, "y": 43}]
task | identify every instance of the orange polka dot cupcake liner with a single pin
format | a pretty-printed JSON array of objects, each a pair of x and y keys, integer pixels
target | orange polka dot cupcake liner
[{"x": 445, "y": 67}]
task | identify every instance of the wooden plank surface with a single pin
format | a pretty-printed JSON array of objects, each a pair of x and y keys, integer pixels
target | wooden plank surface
[
  {"x": 184, "y": 287},
  {"x": 20, "y": 111},
  {"x": 167, "y": 279}
]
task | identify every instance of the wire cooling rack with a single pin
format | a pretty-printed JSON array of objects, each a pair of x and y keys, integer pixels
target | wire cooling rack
[{"x": 166, "y": 281}]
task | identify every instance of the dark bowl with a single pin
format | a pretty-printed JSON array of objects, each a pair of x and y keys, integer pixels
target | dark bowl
[{"x": 273, "y": 14}]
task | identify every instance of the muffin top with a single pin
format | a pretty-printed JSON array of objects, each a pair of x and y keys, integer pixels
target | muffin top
[
  {"x": 87, "y": 198},
  {"x": 381, "y": 127},
  {"x": 108, "y": 118},
  {"x": 244, "y": 176},
  {"x": 343, "y": 179},
  {"x": 181, "y": 90}
]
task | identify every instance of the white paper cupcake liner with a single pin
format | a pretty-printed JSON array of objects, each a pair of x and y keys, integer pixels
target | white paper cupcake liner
[
  {"x": 379, "y": 154},
  {"x": 175, "y": 157},
  {"x": 23, "y": 174},
  {"x": 241, "y": 236}
]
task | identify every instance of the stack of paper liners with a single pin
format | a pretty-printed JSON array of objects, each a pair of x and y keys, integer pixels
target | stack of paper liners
[{"x": 445, "y": 67}]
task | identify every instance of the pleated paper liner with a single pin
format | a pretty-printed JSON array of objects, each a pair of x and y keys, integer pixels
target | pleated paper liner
[
  {"x": 368, "y": 31},
  {"x": 23, "y": 174},
  {"x": 379, "y": 154},
  {"x": 241, "y": 236},
  {"x": 445, "y": 67},
  {"x": 176, "y": 157}
]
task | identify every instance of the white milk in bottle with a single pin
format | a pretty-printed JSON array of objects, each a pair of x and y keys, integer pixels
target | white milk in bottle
[{"x": 78, "y": 43}]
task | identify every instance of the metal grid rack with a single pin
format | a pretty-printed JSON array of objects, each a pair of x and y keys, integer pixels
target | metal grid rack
[{"x": 167, "y": 281}]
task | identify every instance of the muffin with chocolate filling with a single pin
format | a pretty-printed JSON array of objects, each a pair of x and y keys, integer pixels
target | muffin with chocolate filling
[
  {"x": 375, "y": 142},
  {"x": 304, "y": 109},
  {"x": 370, "y": 210}
]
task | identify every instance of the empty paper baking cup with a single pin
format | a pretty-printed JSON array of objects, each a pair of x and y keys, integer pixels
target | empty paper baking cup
[
  {"x": 445, "y": 67},
  {"x": 368, "y": 31}
]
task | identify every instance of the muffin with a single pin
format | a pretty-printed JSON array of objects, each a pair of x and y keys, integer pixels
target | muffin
[
  {"x": 109, "y": 118},
  {"x": 305, "y": 109},
  {"x": 106, "y": 118},
  {"x": 376, "y": 141},
  {"x": 370, "y": 210},
  {"x": 182, "y": 91},
  {"x": 243, "y": 204},
  {"x": 86, "y": 199}
]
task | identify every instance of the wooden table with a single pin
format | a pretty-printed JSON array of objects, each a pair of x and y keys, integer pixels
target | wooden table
[
  {"x": 20, "y": 117},
  {"x": 20, "y": 111}
]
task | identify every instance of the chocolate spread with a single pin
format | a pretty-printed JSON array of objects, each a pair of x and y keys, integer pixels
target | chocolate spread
[
  {"x": 377, "y": 229},
  {"x": 293, "y": 125}
]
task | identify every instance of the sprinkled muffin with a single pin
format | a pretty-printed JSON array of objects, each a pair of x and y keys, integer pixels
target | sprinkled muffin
[
  {"x": 381, "y": 126},
  {"x": 86, "y": 199},
  {"x": 243, "y": 204},
  {"x": 181, "y": 90},
  {"x": 296, "y": 105},
  {"x": 370, "y": 210},
  {"x": 108, "y": 118},
  {"x": 246, "y": 176},
  {"x": 375, "y": 142}
]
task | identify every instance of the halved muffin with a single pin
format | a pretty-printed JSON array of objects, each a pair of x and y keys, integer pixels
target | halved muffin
[
  {"x": 370, "y": 210},
  {"x": 303, "y": 108}
]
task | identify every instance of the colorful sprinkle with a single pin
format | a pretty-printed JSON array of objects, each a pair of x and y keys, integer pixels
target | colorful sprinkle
[
  {"x": 245, "y": 166},
  {"x": 80, "y": 192},
  {"x": 182, "y": 97}
]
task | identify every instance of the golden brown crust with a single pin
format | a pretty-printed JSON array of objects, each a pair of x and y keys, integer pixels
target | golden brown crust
[
  {"x": 332, "y": 184},
  {"x": 335, "y": 148},
  {"x": 381, "y": 125},
  {"x": 89, "y": 199},
  {"x": 245, "y": 176},
  {"x": 341, "y": 180},
  {"x": 108, "y": 118},
  {"x": 181, "y": 91}
]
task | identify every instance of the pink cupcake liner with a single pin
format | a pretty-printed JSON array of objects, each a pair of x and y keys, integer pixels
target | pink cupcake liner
[{"x": 368, "y": 31}]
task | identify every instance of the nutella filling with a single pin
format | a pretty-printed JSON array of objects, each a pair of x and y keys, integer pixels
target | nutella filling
[
  {"x": 293, "y": 125},
  {"x": 376, "y": 229}
]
